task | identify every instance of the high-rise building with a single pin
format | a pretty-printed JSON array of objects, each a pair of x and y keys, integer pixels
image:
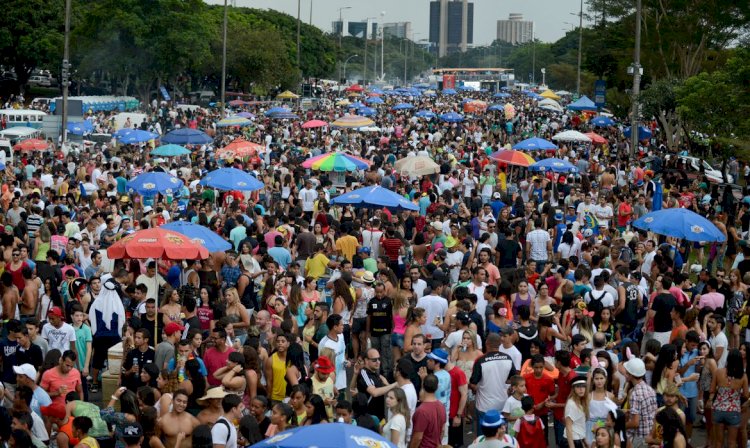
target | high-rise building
[
  {"x": 401, "y": 30},
  {"x": 355, "y": 29},
  {"x": 515, "y": 30},
  {"x": 451, "y": 25}
]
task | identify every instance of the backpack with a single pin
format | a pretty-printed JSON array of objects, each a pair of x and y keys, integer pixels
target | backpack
[
  {"x": 629, "y": 316},
  {"x": 229, "y": 430},
  {"x": 531, "y": 434},
  {"x": 596, "y": 305}
]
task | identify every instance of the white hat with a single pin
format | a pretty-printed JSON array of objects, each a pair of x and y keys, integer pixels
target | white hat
[
  {"x": 497, "y": 195},
  {"x": 437, "y": 225},
  {"x": 147, "y": 209},
  {"x": 26, "y": 369},
  {"x": 636, "y": 367}
]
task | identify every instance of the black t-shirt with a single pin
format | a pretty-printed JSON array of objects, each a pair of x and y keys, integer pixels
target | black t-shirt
[
  {"x": 744, "y": 267},
  {"x": 149, "y": 325},
  {"x": 10, "y": 358},
  {"x": 133, "y": 382},
  {"x": 663, "y": 305},
  {"x": 525, "y": 336},
  {"x": 745, "y": 220},
  {"x": 33, "y": 355},
  {"x": 508, "y": 252},
  {"x": 375, "y": 405},
  {"x": 380, "y": 312}
]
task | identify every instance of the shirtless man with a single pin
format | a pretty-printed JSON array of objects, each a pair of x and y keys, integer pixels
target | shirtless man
[
  {"x": 210, "y": 414},
  {"x": 30, "y": 296},
  {"x": 177, "y": 426},
  {"x": 10, "y": 296}
]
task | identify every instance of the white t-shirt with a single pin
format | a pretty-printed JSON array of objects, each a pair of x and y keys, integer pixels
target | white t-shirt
[
  {"x": 604, "y": 296},
  {"x": 308, "y": 196},
  {"x": 371, "y": 239},
  {"x": 720, "y": 340},
  {"x": 579, "y": 420},
  {"x": 419, "y": 286},
  {"x": 59, "y": 338},
  {"x": 397, "y": 423},
  {"x": 434, "y": 306},
  {"x": 514, "y": 354},
  {"x": 457, "y": 336},
  {"x": 338, "y": 347},
  {"x": 219, "y": 435}
]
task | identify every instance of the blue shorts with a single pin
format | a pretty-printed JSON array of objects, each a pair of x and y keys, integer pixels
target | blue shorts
[
  {"x": 397, "y": 340},
  {"x": 727, "y": 418},
  {"x": 691, "y": 409}
]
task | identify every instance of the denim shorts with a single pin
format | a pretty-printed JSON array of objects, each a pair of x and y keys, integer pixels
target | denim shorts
[
  {"x": 397, "y": 340},
  {"x": 727, "y": 418}
]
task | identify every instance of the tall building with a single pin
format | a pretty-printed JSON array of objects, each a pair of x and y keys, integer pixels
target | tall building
[
  {"x": 355, "y": 29},
  {"x": 515, "y": 30},
  {"x": 401, "y": 30},
  {"x": 451, "y": 25}
]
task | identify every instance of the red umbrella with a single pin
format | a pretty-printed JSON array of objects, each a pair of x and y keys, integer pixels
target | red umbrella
[
  {"x": 596, "y": 138},
  {"x": 314, "y": 124},
  {"x": 355, "y": 88},
  {"x": 32, "y": 144},
  {"x": 158, "y": 244},
  {"x": 239, "y": 148}
]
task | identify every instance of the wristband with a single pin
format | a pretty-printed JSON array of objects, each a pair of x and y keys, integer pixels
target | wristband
[{"x": 114, "y": 398}]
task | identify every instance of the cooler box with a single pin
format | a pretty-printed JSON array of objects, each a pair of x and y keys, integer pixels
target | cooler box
[{"x": 114, "y": 358}]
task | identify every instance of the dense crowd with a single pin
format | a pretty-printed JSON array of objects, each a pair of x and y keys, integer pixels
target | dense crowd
[{"x": 513, "y": 309}]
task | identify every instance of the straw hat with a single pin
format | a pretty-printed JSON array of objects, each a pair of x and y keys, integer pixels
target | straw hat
[{"x": 213, "y": 393}]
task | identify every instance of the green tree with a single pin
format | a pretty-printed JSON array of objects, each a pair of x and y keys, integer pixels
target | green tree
[
  {"x": 31, "y": 35},
  {"x": 659, "y": 100}
]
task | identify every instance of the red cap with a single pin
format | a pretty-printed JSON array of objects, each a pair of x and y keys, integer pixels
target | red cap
[
  {"x": 56, "y": 410},
  {"x": 55, "y": 311},
  {"x": 172, "y": 328},
  {"x": 324, "y": 365}
]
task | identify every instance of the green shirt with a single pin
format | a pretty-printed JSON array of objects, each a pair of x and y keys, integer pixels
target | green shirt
[{"x": 83, "y": 335}]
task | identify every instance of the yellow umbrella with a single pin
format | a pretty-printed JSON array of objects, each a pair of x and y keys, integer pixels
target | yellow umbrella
[
  {"x": 287, "y": 95},
  {"x": 550, "y": 94},
  {"x": 343, "y": 103}
]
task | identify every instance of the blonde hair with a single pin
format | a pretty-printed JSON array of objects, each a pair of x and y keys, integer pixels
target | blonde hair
[
  {"x": 581, "y": 402},
  {"x": 586, "y": 328}
]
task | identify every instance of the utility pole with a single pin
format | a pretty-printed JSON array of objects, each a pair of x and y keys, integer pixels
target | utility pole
[
  {"x": 636, "y": 79},
  {"x": 406, "y": 57},
  {"x": 341, "y": 31},
  {"x": 580, "y": 47},
  {"x": 299, "y": 28},
  {"x": 66, "y": 73},
  {"x": 311, "y": 9},
  {"x": 382, "y": 46},
  {"x": 223, "y": 61}
]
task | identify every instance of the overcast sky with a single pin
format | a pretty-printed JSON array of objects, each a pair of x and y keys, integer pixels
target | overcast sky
[{"x": 549, "y": 16}]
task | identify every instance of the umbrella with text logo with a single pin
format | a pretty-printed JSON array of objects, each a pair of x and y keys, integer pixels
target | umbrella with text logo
[
  {"x": 554, "y": 165},
  {"x": 231, "y": 179},
  {"x": 187, "y": 136},
  {"x": 152, "y": 183},
  {"x": 200, "y": 235},
  {"x": 375, "y": 197},
  {"x": 680, "y": 223},
  {"x": 330, "y": 435},
  {"x": 156, "y": 243},
  {"x": 535, "y": 144}
]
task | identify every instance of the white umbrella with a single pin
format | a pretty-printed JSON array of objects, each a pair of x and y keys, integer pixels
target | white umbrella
[
  {"x": 562, "y": 93},
  {"x": 369, "y": 129},
  {"x": 571, "y": 136},
  {"x": 417, "y": 166},
  {"x": 548, "y": 103}
]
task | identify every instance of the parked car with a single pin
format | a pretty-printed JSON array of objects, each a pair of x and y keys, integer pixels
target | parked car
[
  {"x": 696, "y": 165},
  {"x": 40, "y": 81}
]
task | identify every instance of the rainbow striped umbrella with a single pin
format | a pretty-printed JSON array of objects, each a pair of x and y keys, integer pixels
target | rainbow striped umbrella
[
  {"x": 512, "y": 157},
  {"x": 352, "y": 121},
  {"x": 336, "y": 161}
]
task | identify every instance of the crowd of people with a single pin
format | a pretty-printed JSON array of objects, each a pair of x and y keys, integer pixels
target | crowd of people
[{"x": 512, "y": 309}]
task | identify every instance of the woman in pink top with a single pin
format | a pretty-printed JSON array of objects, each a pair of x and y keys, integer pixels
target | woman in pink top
[{"x": 400, "y": 311}]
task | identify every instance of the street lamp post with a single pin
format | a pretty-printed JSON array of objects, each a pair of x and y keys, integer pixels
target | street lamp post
[
  {"x": 341, "y": 30},
  {"x": 544, "y": 73},
  {"x": 636, "y": 79},
  {"x": 299, "y": 27},
  {"x": 382, "y": 46},
  {"x": 66, "y": 73},
  {"x": 345, "y": 62}
]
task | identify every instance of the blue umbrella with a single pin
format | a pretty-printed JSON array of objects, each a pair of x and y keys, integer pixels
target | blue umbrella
[
  {"x": 424, "y": 113},
  {"x": 554, "y": 165},
  {"x": 199, "y": 235},
  {"x": 643, "y": 132},
  {"x": 284, "y": 116},
  {"x": 151, "y": 183},
  {"x": 2, "y": 166},
  {"x": 377, "y": 91},
  {"x": 375, "y": 100},
  {"x": 356, "y": 105},
  {"x": 403, "y": 106},
  {"x": 466, "y": 89},
  {"x": 583, "y": 103},
  {"x": 170, "y": 150},
  {"x": 658, "y": 197},
  {"x": 501, "y": 95},
  {"x": 187, "y": 136},
  {"x": 430, "y": 94},
  {"x": 449, "y": 91},
  {"x": 452, "y": 117},
  {"x": 247, "y": 115},
  {"x": 680, "y": 223},
  {"x": 135, "y": 136},
  {"x": 330, "y": 435},
  {"x": 375, "y": 197},
  {"x": 367, "y": 111},
  {"x": 497, "y": 107},
  {"x": 80, "y": 127},
  {"x": 602, "y": 121},
  {"x": 275, "y": 110},
  {"x": 231, "y": 179},
  {"x": 534, "y": 144}
]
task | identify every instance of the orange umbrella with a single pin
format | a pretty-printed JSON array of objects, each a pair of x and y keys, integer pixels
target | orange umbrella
[
  {"x": 32, "y": 144},
  {"x": 239, "y": 148},
  {"x": 596, "y": 138}
]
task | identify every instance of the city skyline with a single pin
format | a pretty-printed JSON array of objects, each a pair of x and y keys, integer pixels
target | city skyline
[{"x": 549, "y": 16}]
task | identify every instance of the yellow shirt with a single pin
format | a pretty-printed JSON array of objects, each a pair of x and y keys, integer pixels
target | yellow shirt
[
  {"x": 316, "y": 265},
  {"x": 279, "y": 378},
  {"x": 502, "y": 180},
  {"x": 347, "y": 245}
]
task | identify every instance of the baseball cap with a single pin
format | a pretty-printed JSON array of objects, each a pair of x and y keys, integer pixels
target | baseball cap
[
  {"x": 497, "y": 195},
  {"x": 492, "y": 419},
  {"x": 172, "y": 328},
  {"x": 26, "y": 369},
  {"x": 132, "y": 431},
  {"x": 55, "y": 311},
  {"x": 463, "y": 316},
  {"x": 147, "y": 209}
]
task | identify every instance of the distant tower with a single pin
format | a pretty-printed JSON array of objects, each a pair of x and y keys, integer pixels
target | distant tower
[{"x": 451, "y": 25}]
